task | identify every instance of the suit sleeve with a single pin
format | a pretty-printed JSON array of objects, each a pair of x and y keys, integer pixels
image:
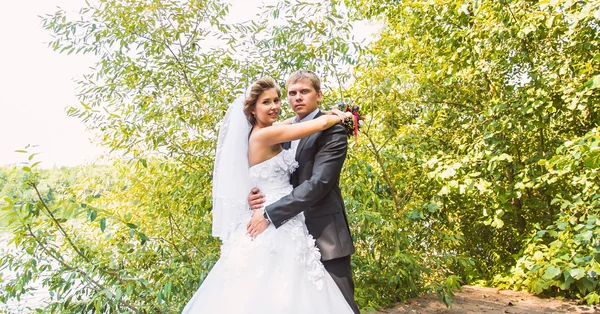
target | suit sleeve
[{"x": 328, "y": 162}]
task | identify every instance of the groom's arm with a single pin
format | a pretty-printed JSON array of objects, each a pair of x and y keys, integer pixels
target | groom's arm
[{"x": 327, "y": 166}]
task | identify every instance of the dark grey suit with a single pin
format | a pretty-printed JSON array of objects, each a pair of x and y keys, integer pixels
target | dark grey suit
[{"x": 317, "y": 194}]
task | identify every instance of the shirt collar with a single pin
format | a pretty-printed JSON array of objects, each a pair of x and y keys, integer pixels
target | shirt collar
[{"x": 310, "y": 116}]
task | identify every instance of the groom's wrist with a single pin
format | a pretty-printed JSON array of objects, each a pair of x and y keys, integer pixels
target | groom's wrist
[{"x": 266, "y": 215}]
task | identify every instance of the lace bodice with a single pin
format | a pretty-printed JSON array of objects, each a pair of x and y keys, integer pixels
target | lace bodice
[{"x": 272, "y": 176}]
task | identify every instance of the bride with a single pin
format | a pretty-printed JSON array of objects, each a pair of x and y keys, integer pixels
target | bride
[{"x": 278, "y": 271}]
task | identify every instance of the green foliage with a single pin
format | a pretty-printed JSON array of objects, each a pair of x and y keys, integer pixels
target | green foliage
[
  {"x": 100, "y": 247},
  {"x": 466, "y": 100},
  {"x": 563, "y": 258}
]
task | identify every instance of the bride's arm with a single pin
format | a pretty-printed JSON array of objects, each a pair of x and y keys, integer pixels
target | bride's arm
[
  {"x": 286, "y": 121},
  {"x": 281, "y": 133}
]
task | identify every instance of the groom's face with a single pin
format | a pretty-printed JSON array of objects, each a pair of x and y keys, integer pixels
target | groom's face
[{"x": 303, "y": 97}]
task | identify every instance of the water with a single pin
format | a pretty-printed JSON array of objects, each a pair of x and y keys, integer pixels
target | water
[{"x": 33, "y": 300}]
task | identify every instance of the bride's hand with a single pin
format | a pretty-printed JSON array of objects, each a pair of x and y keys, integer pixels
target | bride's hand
[
  {"x": 342, "y": 115},
  {"x": 257, "y": 223}
]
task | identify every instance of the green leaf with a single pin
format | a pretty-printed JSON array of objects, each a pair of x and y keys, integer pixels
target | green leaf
[
  {"x": 103, "y": 224},
  {"x": 167, "y": 289},
  {"x": 551, "y": 272},
  {"x": 497, "y": 222},
  {"x": 143, "y": 238},
  {"x": 568, "y": 281},
  {"x": 577, "y": 273},
  {"x": 592, "y": 160},
  {"x": 594, "y": 82},
  {"x": 587, "y": 235},
  {"x": 415, "y": 215},
  {"x": 561, "y": 225},
  {"x": 432, "y": 208},
  {"x": 585, "y": 285},
  {"x": 448, "y": 173},
  {"x": 592, "y": 298},
  {"x": 538, "y": 286},
  {"x": 93, "y": 214}
]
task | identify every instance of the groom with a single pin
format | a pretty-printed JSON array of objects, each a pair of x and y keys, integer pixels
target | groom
[{"x": 316, "y": 186}]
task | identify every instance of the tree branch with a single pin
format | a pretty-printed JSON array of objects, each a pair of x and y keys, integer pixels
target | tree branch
[
  {"x": 386, "y": 177},
  {"x": 186, "y": 238},
  {"x": 70, "y": 241},
  {"x": 95, "y": 285}
]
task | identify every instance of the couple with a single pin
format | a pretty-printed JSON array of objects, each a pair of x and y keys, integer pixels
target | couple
[{"x": 269, "y": 261}]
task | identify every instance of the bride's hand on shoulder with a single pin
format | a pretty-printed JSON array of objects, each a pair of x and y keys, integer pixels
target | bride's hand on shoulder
[{"x": 341, "y": 114}]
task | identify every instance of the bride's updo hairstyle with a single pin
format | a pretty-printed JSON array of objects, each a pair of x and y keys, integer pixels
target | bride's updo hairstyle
[{"x": 256, "y": 90}]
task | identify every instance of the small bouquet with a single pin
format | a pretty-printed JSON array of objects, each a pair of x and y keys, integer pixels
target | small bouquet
[{"x": 353, "y": 124}]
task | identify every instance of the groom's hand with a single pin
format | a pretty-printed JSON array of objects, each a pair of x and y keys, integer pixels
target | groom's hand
[
  {"x": 257, "y": 223},
  {"x": 255, "y": 199}
]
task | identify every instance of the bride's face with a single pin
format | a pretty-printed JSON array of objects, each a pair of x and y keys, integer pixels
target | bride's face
[{"x": 267, "y": 107}]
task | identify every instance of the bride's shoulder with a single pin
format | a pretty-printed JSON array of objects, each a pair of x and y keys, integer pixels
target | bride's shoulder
[{"x": 258, "y": 134}]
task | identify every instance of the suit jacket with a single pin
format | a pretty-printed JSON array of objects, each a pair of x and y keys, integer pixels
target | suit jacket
[{"x": 317, "y": 192}]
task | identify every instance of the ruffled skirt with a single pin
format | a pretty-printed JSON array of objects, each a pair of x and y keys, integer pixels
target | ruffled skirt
[{"x": 278, "y": 272}]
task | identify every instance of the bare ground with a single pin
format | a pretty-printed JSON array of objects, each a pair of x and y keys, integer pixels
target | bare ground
[{"x": 472, "y": 299}]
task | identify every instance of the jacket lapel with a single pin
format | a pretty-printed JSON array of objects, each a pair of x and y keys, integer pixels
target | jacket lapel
[
  {"x": 304, "y": 139},
  {"x": 300, "y": 146}
]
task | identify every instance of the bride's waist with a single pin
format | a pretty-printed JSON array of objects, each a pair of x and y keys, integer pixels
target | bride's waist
[
  {"x": 274, "y": 188},
  {"x": 272, "y": 194}
]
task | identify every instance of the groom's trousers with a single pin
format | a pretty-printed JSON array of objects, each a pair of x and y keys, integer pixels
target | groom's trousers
[{"x": 341, "y": 272}]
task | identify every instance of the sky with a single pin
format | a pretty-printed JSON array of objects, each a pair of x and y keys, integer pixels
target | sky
[{"x": 37, "y": 84}]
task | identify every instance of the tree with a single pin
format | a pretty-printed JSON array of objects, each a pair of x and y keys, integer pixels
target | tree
[{"x": 482, "y": 95}]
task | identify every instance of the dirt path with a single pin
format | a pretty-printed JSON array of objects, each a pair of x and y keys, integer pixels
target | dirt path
[{"x": 472, "y": 299}]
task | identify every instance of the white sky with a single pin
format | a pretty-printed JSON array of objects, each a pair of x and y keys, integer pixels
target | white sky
[{"x": 37, "y": 84}]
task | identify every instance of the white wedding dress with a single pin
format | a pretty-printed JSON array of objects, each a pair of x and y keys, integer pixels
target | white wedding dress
[{"x": 278, "y": 272}]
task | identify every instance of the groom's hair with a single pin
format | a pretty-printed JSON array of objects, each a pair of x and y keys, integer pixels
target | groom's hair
[
  {"x": 301, "y": 75},
  {"x": 256, "y": 90}
]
